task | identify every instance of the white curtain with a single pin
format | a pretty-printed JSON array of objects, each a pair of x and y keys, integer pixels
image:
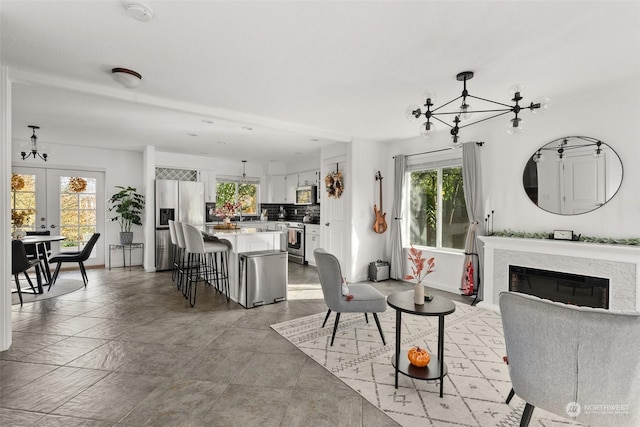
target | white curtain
[
  {"x": 396, "y": 268},
  {"x": 472, "y": 185}
]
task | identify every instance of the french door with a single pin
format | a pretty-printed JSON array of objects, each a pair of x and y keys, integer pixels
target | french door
[{"x": 66, "y": 202}]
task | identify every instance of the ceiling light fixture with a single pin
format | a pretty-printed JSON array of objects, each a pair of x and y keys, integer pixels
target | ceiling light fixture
[
  {"x": 244, "y": 171},
  {"x": 34, "y": 147},
  {"x": 564, "y": 148},
  {"x": 126, "y": 77},
  {"x": 464, "y": 112},
  {"x": 139, "y": 11}
]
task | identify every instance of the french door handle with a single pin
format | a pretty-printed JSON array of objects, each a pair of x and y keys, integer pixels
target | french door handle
[{"x": 52, "y": 226}]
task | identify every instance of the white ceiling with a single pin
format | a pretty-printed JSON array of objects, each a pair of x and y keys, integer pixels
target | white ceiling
[{"x": 300, "y": 74}]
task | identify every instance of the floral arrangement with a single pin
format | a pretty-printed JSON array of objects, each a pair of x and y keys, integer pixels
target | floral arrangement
[
  {"x": 20, "y": 216},
  {"x": 77, "y": 185},
  {"x": 17, "y": 182},
  {"x": 418, "y": 268},
  {"x": 333, "y": 184},
  {"x": 227, "y": 210}
]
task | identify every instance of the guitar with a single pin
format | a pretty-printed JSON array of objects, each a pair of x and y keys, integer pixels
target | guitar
[{"x": 380, "y": 225}]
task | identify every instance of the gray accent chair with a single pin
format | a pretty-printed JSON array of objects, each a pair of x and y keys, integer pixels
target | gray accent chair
[
  {"x": 559, "y": 354},
  {"x": 366, "y": 298}
]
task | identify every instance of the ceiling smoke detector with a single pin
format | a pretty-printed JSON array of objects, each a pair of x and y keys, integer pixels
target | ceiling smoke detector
[
  {"x": 139, "y": 11},
  {"x": 126, "y": 77}
]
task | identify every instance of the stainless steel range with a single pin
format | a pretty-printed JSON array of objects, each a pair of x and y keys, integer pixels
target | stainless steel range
[{"x": 295, "y": 241}]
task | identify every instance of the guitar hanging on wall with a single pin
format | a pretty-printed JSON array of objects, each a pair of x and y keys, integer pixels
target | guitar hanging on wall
[{"x": 380, "y": 225}]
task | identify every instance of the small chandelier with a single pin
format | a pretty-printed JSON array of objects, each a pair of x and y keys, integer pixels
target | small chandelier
[
  {"x": 464, "y": 112},
  {"x": 34, "y": 147}
]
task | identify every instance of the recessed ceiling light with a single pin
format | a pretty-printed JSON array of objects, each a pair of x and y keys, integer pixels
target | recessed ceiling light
[
  {"x": 314, "y": 139},
  {"x": 247, "y": 128},
  {"x": 210, "y": 122},
  {"x": 222, "y": 143},
  {"x": 192, "y": 134},
  {"x": 139, "y": 11}
]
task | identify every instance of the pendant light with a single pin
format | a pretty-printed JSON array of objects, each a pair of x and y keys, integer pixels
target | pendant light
[{"x": 34, "y": 147}]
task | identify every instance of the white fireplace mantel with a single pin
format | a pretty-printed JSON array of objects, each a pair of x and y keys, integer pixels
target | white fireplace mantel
[{"x": 618, "y": 263}]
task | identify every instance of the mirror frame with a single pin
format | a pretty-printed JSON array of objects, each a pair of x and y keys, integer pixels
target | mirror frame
[{"x": 561, "y": 148}]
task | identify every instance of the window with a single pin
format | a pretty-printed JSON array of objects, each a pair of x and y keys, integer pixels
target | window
[
  {"x": 23, "y": 201},
  {"x": 78, "y": 201},
  {"x": 233, "y": 190},
  {"x": 436, "y": 208}
]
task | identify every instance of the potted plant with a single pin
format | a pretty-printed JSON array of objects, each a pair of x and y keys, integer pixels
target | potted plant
[
  {"x": 129, "y": 206},
  {"x": 419, "y": 271}
]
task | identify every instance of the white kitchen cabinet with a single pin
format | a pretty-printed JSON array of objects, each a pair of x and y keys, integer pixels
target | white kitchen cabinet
[
  {"x": 291, "y": 185},
  {"x": 209, "y": 179},
  {"x": 307, "y": 178},
  {"x": 312, "y": 242},
  {"x": 276, "y": 189}
]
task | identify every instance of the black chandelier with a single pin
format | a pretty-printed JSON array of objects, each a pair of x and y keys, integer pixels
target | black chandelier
[
  {"x": 464, "y": 111},
  {"x": 34, "y": 147}
]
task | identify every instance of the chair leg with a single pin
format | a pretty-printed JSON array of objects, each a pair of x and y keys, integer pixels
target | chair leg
[
  {"x": 83, "y": 272},
  {"x": 55, "y": 276},
  {"x": 375, "y": 317},
  {"x": 511, "y": 394},
  {"x": 366, "y": 318},
  {"x": 18, "y": 287},
  {"x": 526, "y": 415},
  {"x": 29, "y": 281},
  {"x": 335, "y": 328},
  {"x": 326, "y": 318}
]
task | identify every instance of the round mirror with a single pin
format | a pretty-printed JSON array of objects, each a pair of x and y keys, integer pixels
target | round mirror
[{"x": 572, "y": 175}]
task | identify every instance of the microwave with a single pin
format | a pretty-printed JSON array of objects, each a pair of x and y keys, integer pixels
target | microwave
[{"x": 306, "y": 195}]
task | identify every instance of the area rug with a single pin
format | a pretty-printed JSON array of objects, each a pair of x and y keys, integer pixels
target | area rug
[
  {"x": 475, "y": 388},
  {"x": 61, "y": 287}
]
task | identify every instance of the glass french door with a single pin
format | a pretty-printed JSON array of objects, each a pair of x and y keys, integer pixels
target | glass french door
[{"x": 68, "y": 203}]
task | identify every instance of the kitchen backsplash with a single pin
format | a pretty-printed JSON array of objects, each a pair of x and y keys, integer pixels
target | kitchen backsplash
[{"x": 295, "y": 213}]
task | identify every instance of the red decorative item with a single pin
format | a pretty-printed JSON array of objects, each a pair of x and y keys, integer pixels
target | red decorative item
[{"x": 467, "y": 285}]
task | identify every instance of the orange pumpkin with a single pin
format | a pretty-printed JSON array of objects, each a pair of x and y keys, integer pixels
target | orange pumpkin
[{"x": 418, "y": 357}]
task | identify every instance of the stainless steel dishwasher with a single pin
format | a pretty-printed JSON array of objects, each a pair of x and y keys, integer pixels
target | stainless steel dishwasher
[{"x": 263, "y": 278}]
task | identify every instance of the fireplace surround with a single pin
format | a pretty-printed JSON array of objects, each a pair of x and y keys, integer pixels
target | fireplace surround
[{"x": 620, "y": 264}]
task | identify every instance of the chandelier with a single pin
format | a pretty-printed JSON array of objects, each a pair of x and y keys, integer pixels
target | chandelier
[
  {"x": 34, "y": 147},
  {"x": 563, "y": 147},
  {"x": 464, "y": 112}
]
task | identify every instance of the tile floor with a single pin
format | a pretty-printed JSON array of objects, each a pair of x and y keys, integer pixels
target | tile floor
[{"x": 129, "y": 351}]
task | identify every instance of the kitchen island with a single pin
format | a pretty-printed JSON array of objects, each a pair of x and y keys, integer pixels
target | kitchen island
[{"x": 245, "y": 239}]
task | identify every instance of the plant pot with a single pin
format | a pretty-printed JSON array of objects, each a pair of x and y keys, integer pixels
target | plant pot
[{"x": 126, "y": 237}]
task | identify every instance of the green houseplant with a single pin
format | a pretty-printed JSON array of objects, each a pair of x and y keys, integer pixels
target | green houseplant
[{"x": 128, "y": 205}]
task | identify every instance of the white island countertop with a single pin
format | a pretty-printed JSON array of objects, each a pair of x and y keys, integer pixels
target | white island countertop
[{"x": 219, "y": 232}]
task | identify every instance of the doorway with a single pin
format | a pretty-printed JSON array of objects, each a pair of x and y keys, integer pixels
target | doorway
[{"x": 65, "y": 202}]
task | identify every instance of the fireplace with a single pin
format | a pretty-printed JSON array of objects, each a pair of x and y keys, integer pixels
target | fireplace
[
  {"x": 576, "y": 289},
  {"x": 620, "y": 264}
]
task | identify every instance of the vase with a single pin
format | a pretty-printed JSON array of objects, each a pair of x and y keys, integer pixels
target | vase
[
  {"x": 418, "y": 294},
  {"x": 226, "y": 221}
]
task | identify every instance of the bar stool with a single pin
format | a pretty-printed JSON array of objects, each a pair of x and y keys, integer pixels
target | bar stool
[
  {"x": 174, "y": 250},
  {"x": 221, "y": 265},
  {"x": 181, "y": 266},
  {"x": 200, "y": 256}
]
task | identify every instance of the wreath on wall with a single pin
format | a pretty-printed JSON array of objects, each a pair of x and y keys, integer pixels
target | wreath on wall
[
  {"x": 17, "y": 182},
  {"x": 333, "y": 184},
  {"x": 77, "y": 185}
]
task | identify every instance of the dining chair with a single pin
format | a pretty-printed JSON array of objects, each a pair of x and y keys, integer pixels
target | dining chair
[
  {"x": 20, "y": 264},
  {"x": 364, "y": 298},
  {"x": 40, "y": 251},
  {"x": 80, "y": 257}
]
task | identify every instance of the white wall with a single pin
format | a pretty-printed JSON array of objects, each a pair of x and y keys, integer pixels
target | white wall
[
  {"x": 608, "y": 113},
  {"x": 120, "y": 168}
]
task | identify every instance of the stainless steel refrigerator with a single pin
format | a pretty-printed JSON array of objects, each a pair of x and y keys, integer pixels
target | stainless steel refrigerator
[{"x": 181, "y": 201}]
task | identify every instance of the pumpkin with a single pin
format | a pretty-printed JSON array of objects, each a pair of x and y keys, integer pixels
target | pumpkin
[{"x": 418, "y": 357}]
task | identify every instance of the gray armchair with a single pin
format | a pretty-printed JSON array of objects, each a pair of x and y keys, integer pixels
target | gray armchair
[
  {"x": 366, "y": 298},
  {"x": 560, "y": 355}
]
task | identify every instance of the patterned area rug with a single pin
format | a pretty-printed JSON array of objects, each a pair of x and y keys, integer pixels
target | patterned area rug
[
  {"x": 62, "y": 287},
  {"x": 475, "y": 388}
]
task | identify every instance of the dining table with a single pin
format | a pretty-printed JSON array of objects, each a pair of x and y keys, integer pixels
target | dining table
[{"x": 40, "y": 243}]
